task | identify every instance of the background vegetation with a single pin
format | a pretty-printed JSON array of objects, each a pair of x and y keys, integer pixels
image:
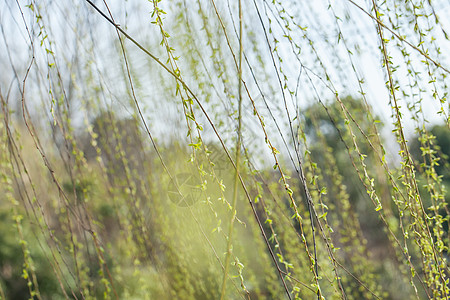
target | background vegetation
[{"x": 175, "y": 149}]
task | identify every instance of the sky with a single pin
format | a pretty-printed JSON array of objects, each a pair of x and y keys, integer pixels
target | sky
[{"x": 87, "y": 53}]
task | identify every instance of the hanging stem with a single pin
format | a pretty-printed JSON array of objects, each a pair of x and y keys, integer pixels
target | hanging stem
[{"x": 238, "y": 158}]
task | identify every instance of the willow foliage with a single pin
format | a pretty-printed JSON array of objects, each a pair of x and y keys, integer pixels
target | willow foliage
[{"x": 203, "y": 149}]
